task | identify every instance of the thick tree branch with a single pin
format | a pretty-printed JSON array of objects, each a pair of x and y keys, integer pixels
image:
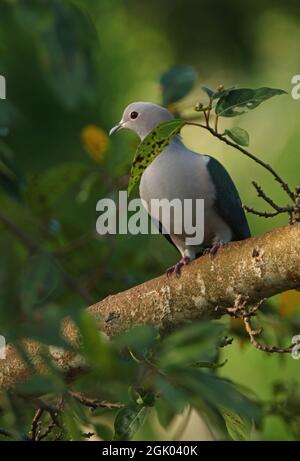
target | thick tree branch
[{"x": 253, "y": 269}]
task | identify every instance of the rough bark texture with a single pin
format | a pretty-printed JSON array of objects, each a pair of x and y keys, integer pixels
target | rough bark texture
[{"x": 256, "y": 268}]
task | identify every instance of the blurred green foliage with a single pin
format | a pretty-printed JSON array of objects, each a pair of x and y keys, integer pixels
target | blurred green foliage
[{"x": 74, "y": 65}]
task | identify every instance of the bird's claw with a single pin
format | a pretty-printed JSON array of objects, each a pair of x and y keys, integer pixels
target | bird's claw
[
  {"x": 212, "y": 251},
  {"x": 177, "y": 268}
]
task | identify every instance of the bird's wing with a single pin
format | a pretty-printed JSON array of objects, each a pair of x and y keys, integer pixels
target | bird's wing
[
  {"x": 227, "y": 201},
  {"x": 160, "y": 228}
]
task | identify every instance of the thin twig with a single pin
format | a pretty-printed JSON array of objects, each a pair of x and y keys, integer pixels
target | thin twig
[
  {"x": 244, "y": 312},
  {"x": 268, "y": 167},
  {"x": 88, "y": 435},
  {"x": 94, "y": 403},
  {"x": 54, "y": 415},
  {"x": 216, "y": 123},
  {"x": 48, "y": 431},
  {"x": 271, "y": 202},
  {"x": 260, "y": 346},
  {"x": 206, "y": 118},
  {"x": 262, "y": 214},
  {"x": 35, "y": 424}
]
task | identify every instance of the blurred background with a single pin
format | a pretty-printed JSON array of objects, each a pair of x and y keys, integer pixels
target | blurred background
[{"x": 70, "y": 68}]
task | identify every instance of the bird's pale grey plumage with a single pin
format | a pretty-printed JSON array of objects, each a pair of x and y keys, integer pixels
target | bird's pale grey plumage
[{"x": 177, "y": 172}]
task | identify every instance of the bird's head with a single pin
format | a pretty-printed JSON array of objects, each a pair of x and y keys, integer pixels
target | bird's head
[{"x": 142, "y": 117}]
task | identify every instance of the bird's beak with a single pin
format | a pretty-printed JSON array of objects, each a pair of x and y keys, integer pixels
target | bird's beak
[{"x": 116, "y": 128}]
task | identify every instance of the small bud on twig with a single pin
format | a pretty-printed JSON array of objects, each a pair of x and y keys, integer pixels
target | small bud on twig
[{"x": 198, "y": 106}]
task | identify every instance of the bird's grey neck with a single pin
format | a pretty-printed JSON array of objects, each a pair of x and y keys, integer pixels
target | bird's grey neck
[
  {"x": 176, "y": 142},
  {"x": 177, "y": 139}
]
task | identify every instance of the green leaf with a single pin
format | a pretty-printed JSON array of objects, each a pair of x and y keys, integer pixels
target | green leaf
[
  {"x": 165, "y": 412},
  {"x": 129, "y": 420},
  {"x": 141, "y": 396},
  {"x": 40, "y": 277},
  {"x": 151, "y": 147},
  {"x": 139, "y": 339},
  {"x": 135, "y": 396},
  {"x": 238, "y": 427},
  {"x": 197, "y": 342},
  {"x": 72, "y": 425},
  {"x": 41, "y": 385},
  {"x": 78, "y": 410},
  {"x": 104, "y": 431},
  {"x": 47, "y": 328},
  {"x": 238, "y": 135},
  {"x": 64, "y": 44},
  {"x": 210, "y": 93},
  {"x": 94, "y": 346},
  {"x": 216, "y": 94},
  {"x": 11, "y": 179},
  {"x": 177, "y": 83},
  {"x": 176, "y": 396},
  {"x": 238, "y": 101},
  {"x": 45, "y": 189},
  {"x": 221, "y": 393}
]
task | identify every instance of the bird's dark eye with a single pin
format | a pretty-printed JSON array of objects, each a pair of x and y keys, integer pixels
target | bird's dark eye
[{"x": 134, "y": 115}]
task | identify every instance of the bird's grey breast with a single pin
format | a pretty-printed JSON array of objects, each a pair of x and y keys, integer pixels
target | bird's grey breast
[{"x": 177, "y": 173}]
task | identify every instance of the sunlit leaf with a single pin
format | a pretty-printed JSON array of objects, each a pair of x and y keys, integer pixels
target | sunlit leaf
[
  {"x": 239, "y": 428},
  {"x": 238, "y": 135},
  {"x": 151, "y": 147},
  {"x": 239, "y": 101}
]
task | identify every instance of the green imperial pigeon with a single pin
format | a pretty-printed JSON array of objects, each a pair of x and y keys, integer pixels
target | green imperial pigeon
[{"x": 179, "y": 173}]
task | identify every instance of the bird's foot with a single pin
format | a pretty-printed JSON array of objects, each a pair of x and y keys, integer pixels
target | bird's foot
[
  {"x": 177, "y": 268},
  {"x": 212, "y": 251}
]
